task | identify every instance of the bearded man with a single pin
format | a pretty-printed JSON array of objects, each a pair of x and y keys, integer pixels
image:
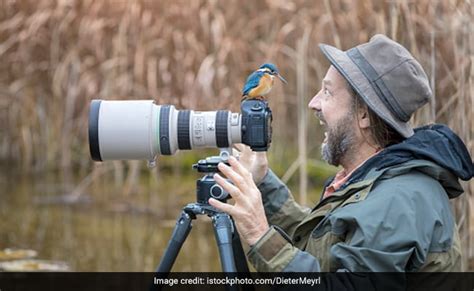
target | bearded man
[{"x": 388, "y": 209}]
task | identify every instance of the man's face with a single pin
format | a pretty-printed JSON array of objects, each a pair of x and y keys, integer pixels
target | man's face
[{"x": 333, "y": 106}]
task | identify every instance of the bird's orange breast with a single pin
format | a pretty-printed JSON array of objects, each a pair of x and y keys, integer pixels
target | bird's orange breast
[{"x": 264, "y": 86}]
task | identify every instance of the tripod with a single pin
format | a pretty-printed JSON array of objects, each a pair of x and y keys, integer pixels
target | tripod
[{"x": 230, "y": 248}]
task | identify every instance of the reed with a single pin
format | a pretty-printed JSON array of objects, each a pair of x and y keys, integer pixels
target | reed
[{"x": 55, "y": 56}]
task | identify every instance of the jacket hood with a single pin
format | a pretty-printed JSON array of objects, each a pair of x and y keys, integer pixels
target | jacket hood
[{"x": 436, "y": 143}]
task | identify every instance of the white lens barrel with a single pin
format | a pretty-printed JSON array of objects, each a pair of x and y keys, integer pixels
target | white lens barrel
[
  {"x": 126, "y": 129},
  {"x": 141, "y": 130},
  {"x": 201, "y": 129}
]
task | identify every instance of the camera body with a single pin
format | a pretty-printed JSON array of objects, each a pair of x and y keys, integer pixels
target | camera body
[
  {"x": 140, "y": 129},
  {"x": 256, "y": 124}
]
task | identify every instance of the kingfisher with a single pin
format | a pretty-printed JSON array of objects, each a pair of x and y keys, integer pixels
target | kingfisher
[{"x": 260, "y": 82}]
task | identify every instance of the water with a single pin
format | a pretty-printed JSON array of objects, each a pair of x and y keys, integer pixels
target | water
[{"x": 104, "y": 231}]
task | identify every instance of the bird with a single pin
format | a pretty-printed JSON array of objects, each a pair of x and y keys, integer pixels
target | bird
[{"x": 260, "y": 82}]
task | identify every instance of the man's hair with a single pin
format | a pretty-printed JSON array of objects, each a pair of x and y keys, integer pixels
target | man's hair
[{"x": 382, "y": 133}]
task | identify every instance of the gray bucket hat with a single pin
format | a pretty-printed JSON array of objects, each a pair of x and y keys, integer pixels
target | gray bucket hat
[{"x": 386, "y": 76}]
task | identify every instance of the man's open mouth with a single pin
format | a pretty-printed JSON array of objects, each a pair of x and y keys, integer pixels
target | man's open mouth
[{"x": 323, "y": 124}]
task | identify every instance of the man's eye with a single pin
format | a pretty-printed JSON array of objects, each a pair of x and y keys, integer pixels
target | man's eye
[{"x": 326, "y": 92}]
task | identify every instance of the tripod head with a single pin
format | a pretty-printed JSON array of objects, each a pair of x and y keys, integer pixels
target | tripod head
[
  {"x": 209, "y": 165},
  {"x": 206, "y": 187}
]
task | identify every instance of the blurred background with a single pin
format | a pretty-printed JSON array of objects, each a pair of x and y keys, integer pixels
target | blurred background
[{"x": 55, "y": 56}]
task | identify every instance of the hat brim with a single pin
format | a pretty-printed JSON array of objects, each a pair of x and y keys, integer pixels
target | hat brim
[{"x": 362, "y": 86}]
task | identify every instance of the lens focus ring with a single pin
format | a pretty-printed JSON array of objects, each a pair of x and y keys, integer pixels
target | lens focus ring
[
  {"x": 222, "y": 140},
  {"x": 165, "y": 148},
  {"x": 184, "y": 140}
]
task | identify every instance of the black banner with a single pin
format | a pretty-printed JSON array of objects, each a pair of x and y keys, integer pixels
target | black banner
[{"x": 218, "y": 281}]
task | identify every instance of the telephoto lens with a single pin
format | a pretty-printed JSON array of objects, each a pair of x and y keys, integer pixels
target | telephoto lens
[{"x": 142, "y": 130}]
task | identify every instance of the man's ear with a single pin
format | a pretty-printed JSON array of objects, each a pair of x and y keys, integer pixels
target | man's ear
[{"x": 364, "y": 118}]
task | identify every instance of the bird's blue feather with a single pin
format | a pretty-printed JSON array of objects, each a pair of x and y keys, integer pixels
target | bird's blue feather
[{"x": 252, "y": 82}]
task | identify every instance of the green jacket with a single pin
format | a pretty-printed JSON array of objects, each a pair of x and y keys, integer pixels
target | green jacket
[
  {"x": 394, "y": 217},
  {"x": 398, "y": 219}
]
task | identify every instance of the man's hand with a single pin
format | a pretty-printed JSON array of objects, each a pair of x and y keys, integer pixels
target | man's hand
[
  {"x": 255, "y": 162},
  {"x": 247, "y": 211}
]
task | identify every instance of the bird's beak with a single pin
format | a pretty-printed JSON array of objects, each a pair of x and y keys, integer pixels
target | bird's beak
[{"x": 282, "y": 79}]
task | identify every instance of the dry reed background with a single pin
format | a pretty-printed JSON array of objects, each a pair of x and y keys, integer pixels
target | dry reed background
[{"x": 55, "y": 56}]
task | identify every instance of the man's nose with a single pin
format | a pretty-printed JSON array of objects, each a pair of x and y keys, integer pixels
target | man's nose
[{"x": 315, "y": 103}]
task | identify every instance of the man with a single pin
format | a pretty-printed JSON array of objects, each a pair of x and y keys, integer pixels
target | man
[{"x": 388, "y": 208}]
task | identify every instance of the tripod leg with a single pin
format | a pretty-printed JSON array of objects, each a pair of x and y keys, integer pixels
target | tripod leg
[
  {"x": 180, "y": 232},
  {"x": 239, "y": 255},
  {"x": 240, "y": 259},
  {"x": 223, "y": 230}
]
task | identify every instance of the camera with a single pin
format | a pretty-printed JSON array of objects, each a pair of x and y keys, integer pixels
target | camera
[{"x": 141, "y": 129}]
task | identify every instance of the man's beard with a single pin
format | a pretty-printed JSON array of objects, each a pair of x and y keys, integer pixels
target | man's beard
[{"x": 340, "y": 141}]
